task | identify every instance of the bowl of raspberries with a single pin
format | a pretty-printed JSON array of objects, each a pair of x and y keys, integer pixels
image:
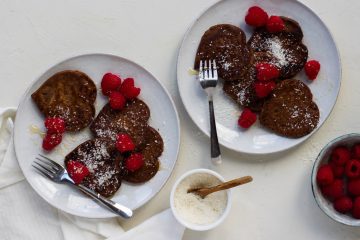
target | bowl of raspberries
[{"x": 336, "y": 179}]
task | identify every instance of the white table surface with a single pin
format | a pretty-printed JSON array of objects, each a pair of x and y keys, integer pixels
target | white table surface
[{"x": 278, "y": 204}]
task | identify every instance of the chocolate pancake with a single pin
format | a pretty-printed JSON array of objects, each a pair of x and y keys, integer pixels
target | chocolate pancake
[
  {"x": 131, "y": 120},
  {"x": 290, "y": 110},
  {"x": 227, "y": 45},
  {"x": 103, "y": 161},
  {"x": 69, "y": 95},
  {"x": 242, "y": 91},
  {"x": 283, "y": 49},
  {"x": 269, "y": 47},
  {"x": 152, "y": 151}
]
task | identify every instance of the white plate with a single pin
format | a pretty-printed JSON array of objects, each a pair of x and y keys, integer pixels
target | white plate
[
  {"x": 256, "y": 140},
  {"x": 28, "y": 144}
]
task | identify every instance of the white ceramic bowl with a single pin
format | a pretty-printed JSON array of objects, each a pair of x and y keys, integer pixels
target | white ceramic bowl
[
  {"x": 188, "y": 224},
  {"x": 324, "y": 155}
]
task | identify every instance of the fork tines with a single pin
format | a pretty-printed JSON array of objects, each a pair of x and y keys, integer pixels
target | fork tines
[
  {"x": 46, "y": 166},
  {"x": 208, "y": 70}
]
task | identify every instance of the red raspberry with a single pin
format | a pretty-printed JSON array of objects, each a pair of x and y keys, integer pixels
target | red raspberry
[
  {"x": 50, "y": 141},
  {"x": 338, "y": 188},
  {"x": 324, "y": 175},
  {"x": 266, "y": 71},
  {"x": 117, "y": 100},
  {"x": 352, "y": 168},
  {"x": 247, "y": 118},
  {"x": 134, "y": 162},
  {"x": 338, "y": 171},
  {"x": 124, "y": 143},
  {"x": 256, "y": 17},
  {"x": 275, "y": 24},
  {"x": 326, "y": 191},
  {"x": 343, "y": 204},
  {"x": 110, "y": 82},
  {"x": 356, "y": 208},
  {"x": 54, "y": 125},
  {"x": 128, "y": 89},
  {"x": 263, "y": 90},
  {"x": 312, "y": 69},
  {"x": 77, "y": 171},
  {"x": 356, "y": 151},
  {"x": 340, "y": 156},
  {"x": 354, "y": 187},
  {"x": 334, "y": 190}
]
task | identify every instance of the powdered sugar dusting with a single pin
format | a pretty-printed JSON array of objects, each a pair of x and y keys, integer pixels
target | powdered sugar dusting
[
  {"x": 93, "y": 157},
  {"x": 284, "y": 50},
  {"x": 131, "y": 120},
  {"x": 278, "y": 51},
  {"x": 242, "y": 95},
  {"x": 291, "y": 111},
  {"x": 101, "y": 159},
  {"x": 106, "y": 176},
  {"x": 226, "y": 65}
]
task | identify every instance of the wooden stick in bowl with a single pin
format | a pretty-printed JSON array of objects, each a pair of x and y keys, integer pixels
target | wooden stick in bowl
[{"x": 203, "y": 192}]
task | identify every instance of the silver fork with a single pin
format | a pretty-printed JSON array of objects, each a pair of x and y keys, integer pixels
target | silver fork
[
  {"x": 58, "y": 174},
  {"x": 208, "y": 77}
]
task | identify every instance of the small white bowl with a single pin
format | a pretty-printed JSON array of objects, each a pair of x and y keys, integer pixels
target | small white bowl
[
  {"x": 324, "y": 204},
  {"x": 191, "y": 225}
]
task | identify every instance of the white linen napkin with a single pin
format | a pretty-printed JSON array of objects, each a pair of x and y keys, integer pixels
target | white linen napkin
[
  {"x": 9, "y": 171},
  {"x": 24, "y": 215}
]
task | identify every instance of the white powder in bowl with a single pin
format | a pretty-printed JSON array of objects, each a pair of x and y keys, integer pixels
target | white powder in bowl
[{"x": 191, "y": 207}]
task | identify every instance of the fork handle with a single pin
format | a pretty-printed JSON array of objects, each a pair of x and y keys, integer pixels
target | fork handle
[
  {"x": 113, "y": 206},
  {"x": 215, "y": 149}
]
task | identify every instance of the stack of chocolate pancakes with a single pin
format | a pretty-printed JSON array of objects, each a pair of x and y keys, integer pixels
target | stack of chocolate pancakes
[
  {"x": 71, "y": 96},
  {"x": 133, "y": 120},
  {"x": 105, "y": 163},
  {"x": 236, "y": 61}
]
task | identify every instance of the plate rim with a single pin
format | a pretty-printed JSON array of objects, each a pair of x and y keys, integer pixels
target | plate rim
[
  {"x": 207, "y": 132},
  {"x": 106, "y": 214}
]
